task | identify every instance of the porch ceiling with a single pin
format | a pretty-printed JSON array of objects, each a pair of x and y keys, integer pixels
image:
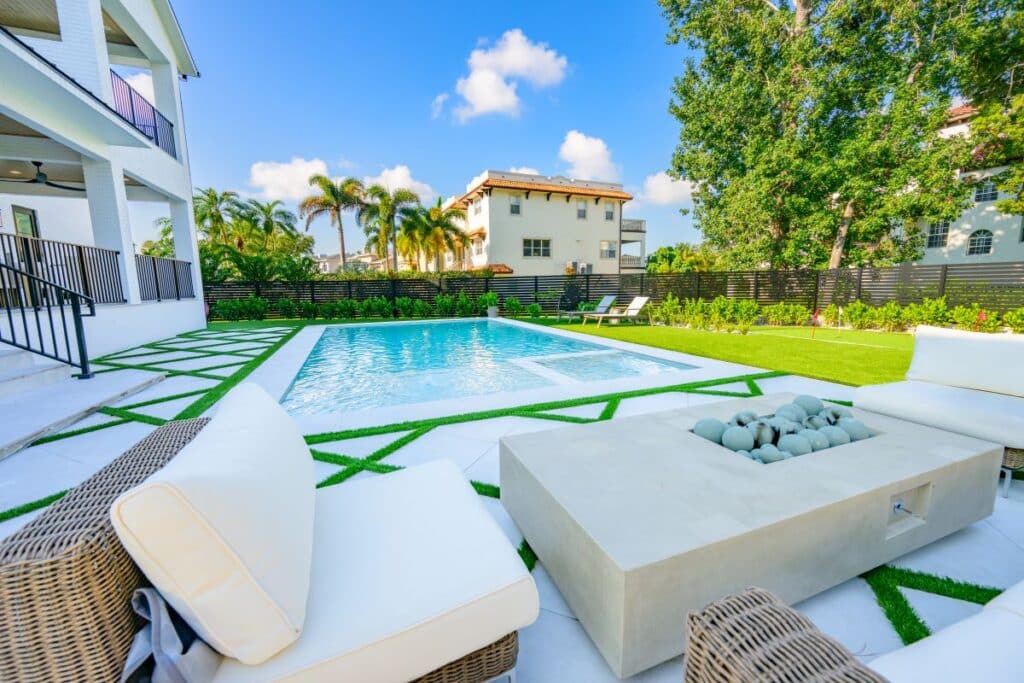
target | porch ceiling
[
  {"x": 40, "y": 16},
  {"x": 58, "y": 172}
]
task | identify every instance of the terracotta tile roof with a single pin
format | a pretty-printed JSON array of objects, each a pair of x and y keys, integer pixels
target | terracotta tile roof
[
  {"x": 553, "y": 188},
  {"x": 960, "y": 113},
  {"x": 496, "y": 268},
  {"x": 477, "y": 232}
]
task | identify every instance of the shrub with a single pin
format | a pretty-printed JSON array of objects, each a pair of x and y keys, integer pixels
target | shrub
[
  {"x": 786, "y": 314},
  {"x": 487, "y": 299},
  {"x": 533, "y": 310},
  {"x": 286, "y": 308},
  {"x": 669, "y": 311},
  {"x": 745, "y": 313},
  {"x": 513, "y": 307},
  {"x": 404, "y": 307},
  {"x": 1014, "y": 320},
  {"x": 830, "y": 315},
  {"x": 928, "y": 312},
  {"x": 375, "y": 307},
  {"x": 249, "y": 308},
  {"x": 345, "y": 308},
  {"x": 889, "y": 317},
  {"x": 695, "y": 314},
  {"x": 587, "y": 306},
  {"x": 975, "y": 318},
  {"x": 859, "y": 315},
  {"x": 422, "y": 309},
  {"x": 720, "y": 313},
  {"x": 445, "y": 305},
  {"x": 325, "y": 310},
  {"x": 465, "y": 305},
  {"x": 307, "y": 310}
]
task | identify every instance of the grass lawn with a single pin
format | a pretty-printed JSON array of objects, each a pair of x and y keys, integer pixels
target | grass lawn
[{"x": 844, "y": 356}]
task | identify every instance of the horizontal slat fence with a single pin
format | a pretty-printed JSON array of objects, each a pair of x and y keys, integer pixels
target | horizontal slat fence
[{"x": 997, "y": 286}]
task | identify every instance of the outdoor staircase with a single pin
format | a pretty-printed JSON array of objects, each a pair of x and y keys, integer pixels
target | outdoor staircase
[{"x": 23, "y": 371}]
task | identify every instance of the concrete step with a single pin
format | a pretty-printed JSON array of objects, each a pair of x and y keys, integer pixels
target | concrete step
[
  {"x": 21, "y": 380},
  {"x": 12, "y": 357}
]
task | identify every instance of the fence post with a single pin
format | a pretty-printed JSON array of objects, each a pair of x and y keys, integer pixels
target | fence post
[
  {"x": 312, "y": 291},
  {"x": 536, "y": 288},
  {"x": 177, "y": 287},
  {"x": 942, "y": 280},
  {"x": 757, "y": 285},
  {"x": 349, "y": 289},
  {"x": 698, "y": 285},
  {"x": 587, "y": 281},
  {"x": 86, "y": 288},
  {"x": 487, "y": 285},
  {"x": 156, "y": 278},
  {"x": 817, "y": 288},
  {"x": 643, "y": 283},
  {"x": 860, "y": 282},
  {"x": 394, "y": 295}
]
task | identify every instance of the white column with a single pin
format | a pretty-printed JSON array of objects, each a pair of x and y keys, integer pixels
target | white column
[
  {"x": 167, "y": 96},
  {"x": 111, "y": 226},
  {"x": 186, "y": 244},
  {"x": 84, "y": 54}
]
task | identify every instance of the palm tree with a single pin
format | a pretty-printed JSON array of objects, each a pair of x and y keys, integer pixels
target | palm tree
[
  {"x": 212, "y": 209},
  {"x": 377, "y": 216},
  {"x": 271, "y": 220},
  {"x": 436, "y": 229},
  {"x": 334, "y": 198}
]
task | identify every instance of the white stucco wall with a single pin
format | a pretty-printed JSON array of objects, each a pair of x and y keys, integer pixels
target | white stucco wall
[{"x": 66, "y": 219}]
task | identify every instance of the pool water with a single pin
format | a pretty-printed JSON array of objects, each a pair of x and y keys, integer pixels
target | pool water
[{"x": 353, "y": 367}]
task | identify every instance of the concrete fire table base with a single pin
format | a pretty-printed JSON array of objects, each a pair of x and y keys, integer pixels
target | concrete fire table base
[{"x": 639, "y": 521}]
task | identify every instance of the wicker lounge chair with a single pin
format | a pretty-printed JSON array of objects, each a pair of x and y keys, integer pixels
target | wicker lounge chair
[
  {"x": 66, "y": 582},
  {"x": 602, "y": 307},
  {"x": 632, "y": 312}
]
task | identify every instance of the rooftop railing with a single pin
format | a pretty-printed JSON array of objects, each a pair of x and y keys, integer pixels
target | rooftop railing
[
  {"x": 139, "y": 112},
  {"x": 634, "y": 225}
]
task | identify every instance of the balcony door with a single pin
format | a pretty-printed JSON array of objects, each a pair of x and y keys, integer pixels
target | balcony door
[{"x": 25, "y": 222}]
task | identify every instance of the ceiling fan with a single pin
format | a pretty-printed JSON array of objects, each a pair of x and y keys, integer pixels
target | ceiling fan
[{"x": 42, "y": 179}]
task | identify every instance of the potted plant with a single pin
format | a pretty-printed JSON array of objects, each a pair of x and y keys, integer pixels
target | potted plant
[{"x": 489, "y": 301}]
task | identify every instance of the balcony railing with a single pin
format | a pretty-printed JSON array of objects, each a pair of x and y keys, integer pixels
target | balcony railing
[
  {"x": 634, "y": 225},
  {"x": 139, "y": 112},
  {"x": 91, "y": 271},
  {"x": 629, "y": 261},
  {"x": 164, "y": 278}
]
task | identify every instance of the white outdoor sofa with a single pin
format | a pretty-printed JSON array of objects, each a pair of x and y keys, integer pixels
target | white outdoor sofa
[{"x": 966, "y": 382}]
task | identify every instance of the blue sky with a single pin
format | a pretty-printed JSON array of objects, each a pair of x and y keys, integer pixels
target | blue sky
[{"x": 433, "y": 93}]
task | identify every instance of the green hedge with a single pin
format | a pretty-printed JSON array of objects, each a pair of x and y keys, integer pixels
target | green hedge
[{"x": 443, "y": 305}]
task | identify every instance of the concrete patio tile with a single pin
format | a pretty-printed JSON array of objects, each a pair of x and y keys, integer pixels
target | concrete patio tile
[
  {"x": 361, "y": 447},
  {"x": 167, "y": 410},
  {"x": 322, "y": 470},
  {"x": 1008, "y": 517},
  {"x": 550, "y": 597},
  {"x": 512, "y": 532},
  {"x": 494, "y": 429},
  {"x": 589, "y": 411},
  {"x": 38, "y": 472},
  {"x": 96, "y": 449},
  {"x": 694, "y": 400},
  {"x": 938, "y": 611},
  {"x": 157, "y": 357},
  {"x": 436, "y": 445},
  {"x": 805, "y": 385},
  {"x": 225, "y": 371},
  {"x": 652, "y": 404},
  {"x": 487, "y": 467},
  {"x": 850, "y": 613},
  {"x": 170, "y": 387},
  {"x": 237, "y": 346},
  {"x": 185, "y": 343},
  {"x": 978, "y": 554},
  {"x": 556, "y": 649},
  {"x": 201, "y": 362},
  {"x": 91, "y": 421},
  {"x": 10, "y": 526}
]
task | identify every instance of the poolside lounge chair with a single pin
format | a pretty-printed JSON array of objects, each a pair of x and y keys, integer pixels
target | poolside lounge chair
[
  {"x": 631, "y": 313},
  {"x": 287, "y": 581},
  {"x": 602, "y": 307}
]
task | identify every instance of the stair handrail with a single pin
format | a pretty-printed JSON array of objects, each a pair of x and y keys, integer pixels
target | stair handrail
[{"x": 32, "y": 295}]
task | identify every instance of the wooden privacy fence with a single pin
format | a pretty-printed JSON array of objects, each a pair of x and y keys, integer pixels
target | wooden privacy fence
[{"x": 997, "y": 286}]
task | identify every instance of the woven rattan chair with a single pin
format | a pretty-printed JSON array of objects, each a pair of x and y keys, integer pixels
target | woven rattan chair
[
  {"x": 66, "y": 583},
  {"x": 752, "y": 637},
  {"x": 1013, "y": 461}
]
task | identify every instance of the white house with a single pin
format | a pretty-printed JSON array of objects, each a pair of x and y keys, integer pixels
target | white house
[
  {"x": 86, "y": 162},
  {"x": 982, "y": 233},
  {"x": 525, "y": 224}
]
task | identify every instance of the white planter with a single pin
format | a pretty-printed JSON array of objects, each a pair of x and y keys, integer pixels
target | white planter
[{"x": 492, "y": 311}]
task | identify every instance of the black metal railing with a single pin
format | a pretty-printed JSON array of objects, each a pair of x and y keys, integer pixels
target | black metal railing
[
  {"x": 164, "y": 278},
  {"x": 92, "y": 271},
  {"x": 44, "y": 317},
  {"x": 141, "y": 113}
]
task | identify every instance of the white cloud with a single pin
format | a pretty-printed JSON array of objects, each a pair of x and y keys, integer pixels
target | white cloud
[
  {"x": 400, "y": 176},
  {"x": 143, "y": 83},
  {"x": 661, "y": 188},
  {"x": 437, "y": 106},
  {"x": 524, "y": 169},
  {"x": 494, "y": 73},
  {"x": 588, "y": 158},
  {"x": 286, "y": 180}
]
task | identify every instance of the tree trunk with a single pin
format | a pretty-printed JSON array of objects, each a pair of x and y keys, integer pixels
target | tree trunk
[
  {"x": 839, "y": 246},
  {"x": 802, "y": 13},
  {"x": 394, "y": 249},
  {"x": 341, "y": 243}
]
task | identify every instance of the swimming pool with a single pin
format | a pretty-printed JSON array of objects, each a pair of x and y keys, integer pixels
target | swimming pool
[{"x": 353, "y": 367}]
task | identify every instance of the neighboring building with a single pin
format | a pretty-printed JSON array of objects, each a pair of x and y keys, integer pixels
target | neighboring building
[
  {"x": 82, "y": 152},
  {"x": 982, "y": 234},
  {"x": 526, "y": 224},
  {"x": 328, "y": 263}
]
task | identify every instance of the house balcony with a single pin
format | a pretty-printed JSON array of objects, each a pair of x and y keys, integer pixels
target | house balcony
[
  {"x": 634, "y": 225},
  {"x": 143, "y": 116},
  {"x": 630, "y": 262}
]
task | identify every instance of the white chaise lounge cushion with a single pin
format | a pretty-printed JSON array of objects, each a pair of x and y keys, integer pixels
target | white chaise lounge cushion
[
  {"x": 984, "y": 647},
  {"x": 983, "y": 415},
  {"x": 225, "y": 530},
  {"x": 410, "y": 572},
  {"x": 973, "y": 360}
]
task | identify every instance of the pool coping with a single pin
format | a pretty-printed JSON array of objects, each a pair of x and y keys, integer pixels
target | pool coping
[{"x": 277, "y": 373}]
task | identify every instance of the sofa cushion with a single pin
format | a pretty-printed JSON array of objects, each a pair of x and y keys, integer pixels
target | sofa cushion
[
  {"x": 1011, "y": 600},
  {"x": 410, "y": 572},
  {"x": 992, "y": 417},
  {"x": 983, "y": 647},
  {"x": 225, "y": 530},
  {"x": 973, "y": 360}
]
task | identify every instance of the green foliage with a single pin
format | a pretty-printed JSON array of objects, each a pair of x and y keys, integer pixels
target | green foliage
[
  {"x": 859, "y": 315},
  {"x": 163, "y": 246},
  {"x": 682, "y": 258},
  {"x": 786, "y": 314},
  {"x": 444, "y": 304},
  {"x": 745, "y": 313},
  {"x": 249, "y": 308},
  {"x": 345, "y": 308},
  {"x": 309, "y": 310},
  {"x": 974, "y": 318},
  {"x": 466, "y": 306},
  {"x": 375, "y": 307},
  {"x": 422, "y": 309},
  {"x": 533, "y": 310},
  {"x": 286, "y": 308},
  {"x": 1014, "y": 320},
  {"x": 669, "y": 311},
  {"x": 513, "y": 307},
  {"x": 998, "y": 131},
  {"x": 695, "y": 313},
  {"x": 830, "y": 315},
  {"x": 722, "y": 313},
  {"x": 488, "y": 299},
  {"x": 404, "y": 307},
  {"x": 933, "y": 312},
  {"x": 889, "y": 317}
]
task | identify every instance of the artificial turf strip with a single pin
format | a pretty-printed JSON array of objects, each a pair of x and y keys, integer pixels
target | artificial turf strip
[
  {"x": 164, "y": 399},
  {"x": 26, "y": 508},
  {"x": 527, "y": 410},
  {"x": 886, "y": 581},
  {"x": 609, "y": 409},
  {"x": 529, "y": 557},
  {"x": 78, "y": 432},
  {"x": 131, "y": 415}
]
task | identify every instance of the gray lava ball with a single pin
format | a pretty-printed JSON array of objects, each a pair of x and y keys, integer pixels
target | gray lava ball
[
  {"x": 738, "y": 439},
  {"x": 783, "y": 425},
  {"x": 817, "y": 440},
  {"x": 762, "y": 432},
  {"x": 792, "y": 412},
  {"x": 835, "y": 435},
  {"x": 815, "y": 422},
  {"x": 709, "y": 428},
  {"x": 795, "y": 444},
  {"x": 811, "y": 404},
  {"x": 770, "y": 453},
  {"x": 855, "y": 428},
  {"x": 744, "y": 418}
]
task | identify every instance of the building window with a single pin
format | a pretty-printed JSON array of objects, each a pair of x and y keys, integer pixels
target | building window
[
  {"x": 986, "y": 192},
  {"x": 581, "y": 209},
  {"x": 515, "y": 206},
  {"x": 938, "y": 234},
  {"x": 25, "y": 222},
  {"x": 609, "y": 211},
  {"x": 534, "y": 247},
  {"x": 478, "y": 247},
  {"x": 979, "y": 243},
  {"x": 609, "y": 249},
  {"x": 478, "y": 206}
]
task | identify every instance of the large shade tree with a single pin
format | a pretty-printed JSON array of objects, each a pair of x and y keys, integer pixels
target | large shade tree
[
  {"x": 213, "y": 210},
  {"x": 811, "y": 129},
  {"x": 434, "y": 230},
  {"x": 377, "y": 215},
  {"x": 332, "y": 199}
]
